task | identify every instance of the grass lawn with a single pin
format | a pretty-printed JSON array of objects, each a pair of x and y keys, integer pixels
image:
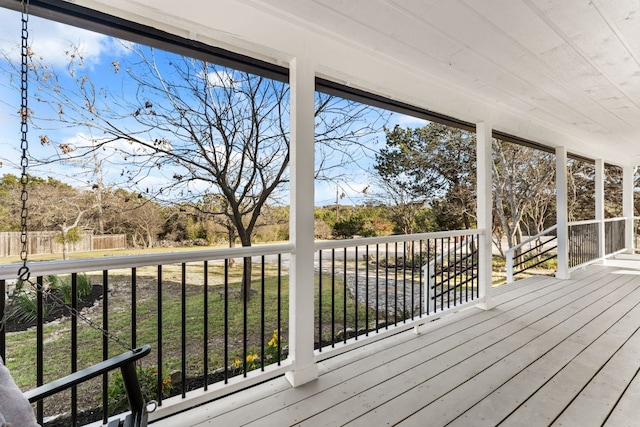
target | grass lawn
[{"x": 21, "y": 346}]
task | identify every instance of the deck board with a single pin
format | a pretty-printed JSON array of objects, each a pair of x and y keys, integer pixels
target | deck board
[
  {"x": 552, "y": 350},
  {"x": 484, "y": 372}
]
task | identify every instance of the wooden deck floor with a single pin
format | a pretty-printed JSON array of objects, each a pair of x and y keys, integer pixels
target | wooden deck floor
[{"x": 552, "y": 352}]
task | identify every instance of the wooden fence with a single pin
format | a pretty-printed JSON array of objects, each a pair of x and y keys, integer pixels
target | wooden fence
[{"x": 44, "y": 242}]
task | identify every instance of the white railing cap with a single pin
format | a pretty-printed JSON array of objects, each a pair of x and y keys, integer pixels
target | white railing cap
[{"x": 10, "y": 271}]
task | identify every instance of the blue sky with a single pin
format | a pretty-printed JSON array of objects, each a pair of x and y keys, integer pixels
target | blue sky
[{"x": 98, "y": 52}]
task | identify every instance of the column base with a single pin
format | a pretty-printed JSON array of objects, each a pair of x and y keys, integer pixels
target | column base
[
  {"x": 487, "y": 304},
  {"x": 300, "y": 376}
]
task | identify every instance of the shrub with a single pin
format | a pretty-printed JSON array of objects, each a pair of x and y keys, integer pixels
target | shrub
[
  {"x": 24, "y": 308},
  {"x": 52, "y": 280},
  {"x": 64, "y": 287},
  {"x": 83, "y": 287}
]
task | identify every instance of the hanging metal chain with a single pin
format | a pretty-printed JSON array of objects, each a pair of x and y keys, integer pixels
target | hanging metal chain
[
  {"x": 24, "y": 275},
  {"x": 23, "y": 272}
]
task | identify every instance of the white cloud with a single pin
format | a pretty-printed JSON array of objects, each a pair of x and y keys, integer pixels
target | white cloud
[
  {"x": 50, "y": 40},
  {"x": 408, "y": 121},
  {"x": 222, "y": 79}
]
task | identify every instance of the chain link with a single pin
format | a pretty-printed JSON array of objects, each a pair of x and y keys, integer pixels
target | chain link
[{"x": 24, "y": 275}]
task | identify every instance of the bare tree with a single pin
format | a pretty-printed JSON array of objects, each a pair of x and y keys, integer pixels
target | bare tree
[
  {"x": 183, "y": 130},
  {"x": 71, "y": 207},
  {"x": 520, "y": 174}
]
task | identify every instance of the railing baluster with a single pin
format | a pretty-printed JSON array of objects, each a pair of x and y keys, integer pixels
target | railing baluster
[
  {"x": 333, "y": 297},
  {"x": 280, "y": 308},
  {"x": 3, "y": 314},
  {"x": 74, "y": 344},
  {"x": 159, "y": 332},
  {"x": 366, "y": 291},
  {"x": 245, "y": 301},
  {"x": 469, "y": 251},
  {"x": 205, "y": 325},
  {"x": 105, "y": 343},
  {"x": 262, "y": 308},
  {"x": 395, "y": 286},
  {"x": 441, "y": 275},
  {"x": 344, "y": 296},
  {"x": 183, "y": 329},
  {"x": 386, "y": 286},
  {"x": 413, "y": 288},
  {"x": 355, "y": 313},
  {"x": 134, "y": 308},
  {"x": 39, "y": 346},
  {"x": 320, "y": 346},
  {"x": 475, "y": 262},
  {"x": 428, "y": 290},
  {"x": 377, "y": 287},
  {"x": 420, "y": 278},
  {"x": 226, "y": 321}
]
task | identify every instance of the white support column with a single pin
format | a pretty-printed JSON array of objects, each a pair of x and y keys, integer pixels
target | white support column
[
  {"x": 301, "y": 273},
  {"x": 562, "y": 215},
  {"x": 599, "y": 164},
  {"x": 628, "y": 173},
  {"x": 484, "y": 204}
]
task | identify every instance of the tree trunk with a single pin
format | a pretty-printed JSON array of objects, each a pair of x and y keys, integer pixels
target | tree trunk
[
  {"x": 245, "y": 238},
  {"x": 65, "y": 250}
]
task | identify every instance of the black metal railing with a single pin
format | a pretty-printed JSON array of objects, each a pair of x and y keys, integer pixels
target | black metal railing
[
  {"x": 583, "y": 242},
  {"x": 614, "y": 235},
  {"x": 368, "y": 286},
  {"x": 452, "y": 277},
  {"x": 202, "y": 325},
  {"x": 531, "y": 253}
]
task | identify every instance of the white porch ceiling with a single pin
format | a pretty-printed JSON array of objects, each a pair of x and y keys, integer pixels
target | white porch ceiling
[{"x": 559, "y": 72}]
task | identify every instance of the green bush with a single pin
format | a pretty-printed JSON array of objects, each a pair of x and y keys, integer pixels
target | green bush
[
  {"x": 84, "y": 285},
  {"x": 63, "y": 285},
  {"x": 52, "y": 279},
  {"x": 24, "y": 308}
]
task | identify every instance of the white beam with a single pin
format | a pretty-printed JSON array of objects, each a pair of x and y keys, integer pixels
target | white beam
[
  {"x": 301, "y": 284},
  {"x": 628, "y": 210},
  {"x": 484, "y": 206},
  {"x": 599, "y": 196},
  {"x": 562, "y": 216}
]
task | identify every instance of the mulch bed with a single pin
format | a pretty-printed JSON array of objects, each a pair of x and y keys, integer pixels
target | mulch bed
[{"x": 55, "y": 310}]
